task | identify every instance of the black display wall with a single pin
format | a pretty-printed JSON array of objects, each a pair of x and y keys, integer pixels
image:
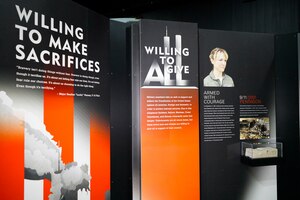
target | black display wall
[
  {"x": 264, "y": 16},
  {"x": 276, "y": 16},
  {"x": 121, "y": 176},
  {"x": 223, "y": 175},
  {"x": 251, "y": 65},
  {"x": 287, "y": 113}
]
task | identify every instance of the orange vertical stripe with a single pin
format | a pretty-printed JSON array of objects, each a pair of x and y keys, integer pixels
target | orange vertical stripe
[
  {"x": 100, "y": 159},
  {"x": 12, "y": 156}
]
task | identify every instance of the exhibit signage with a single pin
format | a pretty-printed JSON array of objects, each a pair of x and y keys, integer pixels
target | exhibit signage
[
  {"x": 54, "y": 101},
  {"x": 166, "y": 142},
  {"x": 237, "y": 104}
]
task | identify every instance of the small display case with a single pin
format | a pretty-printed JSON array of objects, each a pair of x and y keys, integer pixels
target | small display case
[{"x": 261, "y": 153}]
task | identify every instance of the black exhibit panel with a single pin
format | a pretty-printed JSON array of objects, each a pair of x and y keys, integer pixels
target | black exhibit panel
[
  {"x": 121, "y": 181},
  {"x": 237, "y": 90},
  {"x": 287, "y": 110}
]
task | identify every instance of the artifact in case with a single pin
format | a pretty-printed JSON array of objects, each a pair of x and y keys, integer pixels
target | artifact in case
[
  {"x": 256, "y": 150},
  {"x": 261, "y": 153}
]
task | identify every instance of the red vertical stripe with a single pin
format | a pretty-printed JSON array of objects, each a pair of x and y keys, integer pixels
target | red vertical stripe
[
  {"x": 12, "y": 156},
  {"x": 59, "y": 121},
  {"x": 47, "y": 186},
  {"x": 100, "y": 159}
]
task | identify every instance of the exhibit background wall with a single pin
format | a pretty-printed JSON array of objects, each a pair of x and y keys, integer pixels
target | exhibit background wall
[
  {"x": 287, "y": 111},
  {"x": 223, "y": 175},
  {"x": 261, "y": 16},
  {"x": 54, "y": 90},
  {"x": 251, "y": 66},
  {"x": 253, "y": 54}
]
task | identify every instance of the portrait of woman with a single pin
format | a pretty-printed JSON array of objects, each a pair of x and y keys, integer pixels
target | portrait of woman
[{"x": 217, "y": 77}]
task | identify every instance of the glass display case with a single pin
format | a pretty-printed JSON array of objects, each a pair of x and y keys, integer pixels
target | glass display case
[{"x": 261, "y": 153}]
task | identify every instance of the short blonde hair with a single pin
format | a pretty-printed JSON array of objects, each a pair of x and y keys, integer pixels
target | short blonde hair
[{"x": 215, "y": 51}]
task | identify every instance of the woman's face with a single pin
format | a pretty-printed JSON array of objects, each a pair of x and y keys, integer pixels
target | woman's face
[{"x": 219, "y": 62}]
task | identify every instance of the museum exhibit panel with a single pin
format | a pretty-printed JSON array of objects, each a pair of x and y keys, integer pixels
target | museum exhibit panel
[
  {"x": 165, "y": 110},
  {"x": 233, "y": 114},
  {"x": 99, "y": 108},
  {"x": 54, "y": 101}
]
